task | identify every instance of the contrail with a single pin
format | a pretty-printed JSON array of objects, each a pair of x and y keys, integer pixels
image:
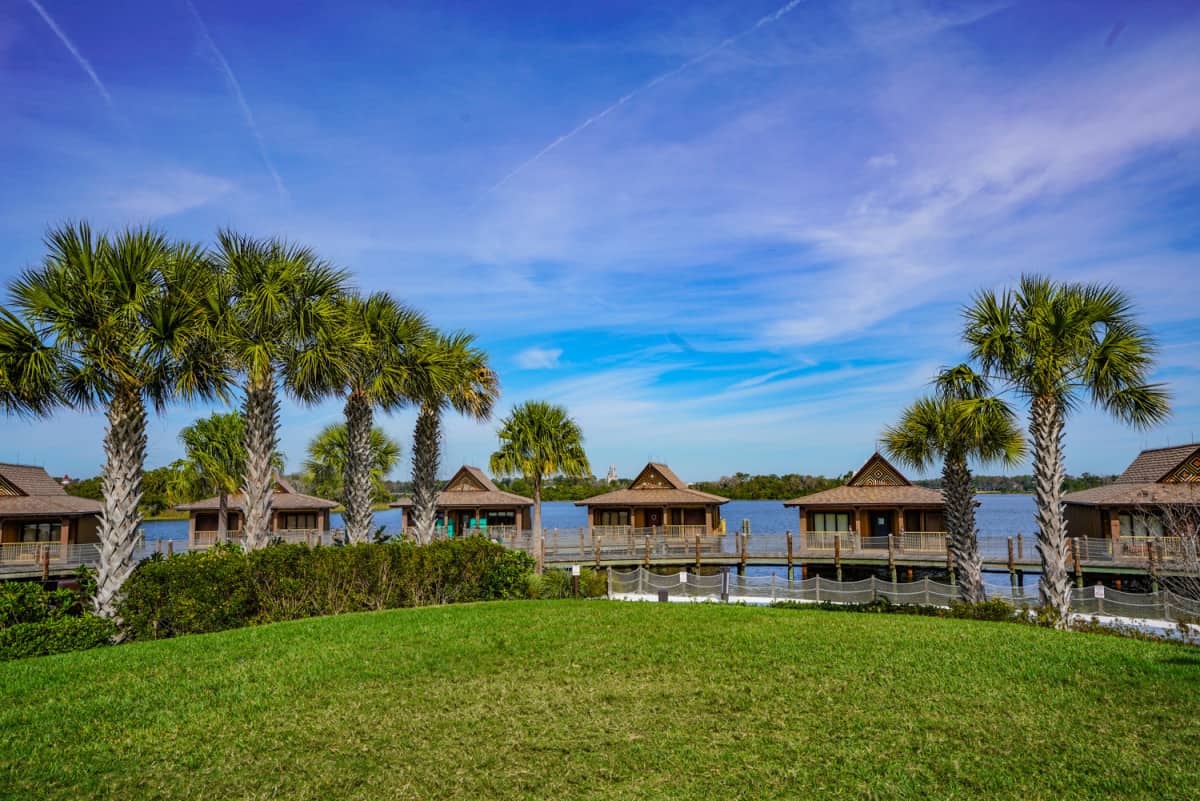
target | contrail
[
  {"x": 235, "y": 89},
  {"x": 67, "y": 43},
  {"x": 707, "y": 54}
]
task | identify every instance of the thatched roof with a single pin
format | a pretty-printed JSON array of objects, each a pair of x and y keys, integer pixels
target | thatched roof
[
  {"x": 29, "y": 491},
  {"x": 877, "y": 483},
  {"x": 656, "y": 485},
  {"x": 470, "y": 488},
  {"x": 286, "y": 499},
  {"x": 1158, "y": 476}
]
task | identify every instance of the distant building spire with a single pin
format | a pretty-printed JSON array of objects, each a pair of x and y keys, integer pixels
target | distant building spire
[{"x": 612, "y": 473}]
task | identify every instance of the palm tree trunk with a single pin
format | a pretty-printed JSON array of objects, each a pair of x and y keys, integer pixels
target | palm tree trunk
[
  {"x": 964, "y": 541},
  {"x": 357, "y": 477},
  {"x": 538, "y": 556},
  {"x": 425, "y": 458},
  {"x": 1046, "y": 423},
  {"x": 120, "y": 516},
  {"x": 261, "y": 410},
  {"x": 222, "y": 516}
]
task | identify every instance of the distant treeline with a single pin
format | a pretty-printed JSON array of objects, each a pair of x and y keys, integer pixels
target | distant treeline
[
  {"x": 1024, "y": 484},
  {"x": 745, "y": 487}
]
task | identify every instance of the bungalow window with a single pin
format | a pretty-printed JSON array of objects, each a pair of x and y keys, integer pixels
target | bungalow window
[
  {"x": 501, "y": 518},
  {"x": 1140, "y": 525},
  {"x": 293, "y": 521},
  {"x": 831, "y": 521},
  {"x": 40, "y": 532},
  {"x": 614, "y": 518}
]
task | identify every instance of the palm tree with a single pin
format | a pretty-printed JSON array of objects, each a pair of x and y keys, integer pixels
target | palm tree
[
  {"x": 280, "y": 327},
  {"x": 960, "y": 422},
  {"x": 1054, "y": 343},
  {"x": 116, "y": 322},
  {"x": 214, "y": 464},
  {"x": 383, "y": 341},
  {"x": 326, "y": 468},
  {"x": 539, "y": 440},
  {"x": 450, "y": 372}
]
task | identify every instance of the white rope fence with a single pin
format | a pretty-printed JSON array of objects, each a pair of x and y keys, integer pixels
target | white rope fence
[{"x": 642, "y": 584}]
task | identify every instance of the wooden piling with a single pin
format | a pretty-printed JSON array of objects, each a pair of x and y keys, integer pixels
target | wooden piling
[
  {"x": 697, "y": 553},
  {"x": 837, "y": 555},
  {"x": 892, "y": 557},
  {"x": 170, "y": 547},
  {"x": 596, "y": 543},
  {"x": 790, "y": 574},
  {"x": 647, "y": 552},
  {"x": 1020, "y": 547},
  {"x": 45, "y": 560}
]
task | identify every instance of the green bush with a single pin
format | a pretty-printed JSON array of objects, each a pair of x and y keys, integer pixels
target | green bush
[
  {"x": 27, "y": 602},
  {"x": 557, "y": 584},
  {"x": 55, "y": 636},
  {"x": 991, "y": 609},
  {"x": 225, "y": 588}
]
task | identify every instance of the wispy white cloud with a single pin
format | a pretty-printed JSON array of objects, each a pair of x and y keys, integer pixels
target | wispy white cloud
[
  {"x": 536, "y": 358},
  {"x": 168, "y": 192},
  {"x": 235, "y": 89},
  {"x": 691, "y": 62},
  {"x": 74, "y": 51}
]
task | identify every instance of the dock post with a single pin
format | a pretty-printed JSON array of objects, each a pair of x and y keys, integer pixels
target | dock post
[
  {"x": 556, "y": 542},
  {"x": 837, "y": 555},
  {"x": 45, "y": 560},
  {"x": 790, "y": 574},
  {"x": 1020, "y": 547},
  {"x": 1152, "y": 567},
  {"x": 596, "y": 543},
  {"x": 950, "y": 565},
  {"x": 697, "y": 553},
  {"x": 170, "y": 547},
  {"x": 803, "y": 571},
  {"x": 892, "y": 557},
  {"x": 647, "y": 551},
  {"x": 1075, "y": 562},
  {"x": 744, "y": 539},
  {"x": 158, "y": 546},
  {"x": 1012, "y": 573}
]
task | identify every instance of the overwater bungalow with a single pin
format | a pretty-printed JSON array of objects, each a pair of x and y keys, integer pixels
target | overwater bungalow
[
  {"x": 38, "y": 516},
  {"x": 296, "y": 517},
  {"x": 877, "y": 501},
  {"x": 1158, "y": 492},
  {"x": 657, "y": 501},
  {"x": 470, "y": 502}
]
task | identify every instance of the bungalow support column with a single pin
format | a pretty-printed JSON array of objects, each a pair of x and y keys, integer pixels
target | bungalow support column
[
  {"x": 1114, "y": 535},
  {"x": 708, "y": 520},
  {"x": 191, "y": 530},
  {"x": 64, "y": 532}
]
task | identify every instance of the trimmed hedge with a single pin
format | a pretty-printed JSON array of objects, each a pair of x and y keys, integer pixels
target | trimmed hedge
[
  {"x": 225, "y": 588},
  {"x": 55, "y": 636}
]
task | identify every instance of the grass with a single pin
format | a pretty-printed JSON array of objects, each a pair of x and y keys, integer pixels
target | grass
[{"x": 607, "y": 701}]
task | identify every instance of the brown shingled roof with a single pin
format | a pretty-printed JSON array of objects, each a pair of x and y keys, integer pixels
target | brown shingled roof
[
  {"x": 39, "y": 495},
  {"x": 470, "y": 488},
  {"x": 1157, "y": 463},
  {"x": 656, "y": 485},
  {"x": 877, "y": 483},
  {"x": 286, "y": 499},
  {"x": 1141, "y": 494}
]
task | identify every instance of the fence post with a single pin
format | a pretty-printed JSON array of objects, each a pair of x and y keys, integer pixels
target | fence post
[
  {"x": 926, "y": 583},
  {"x": 610, "y": 585},
  {"x": 950, "y": 565},
  {"x": 772, "y": 588},
  {"x": 789, "y": 547},
  {"x": 1098, "y": 594},
  {"x": 1012, "y": 573},
  {"x": 1075, "y": 561},
  {"x": 837, "y": 555},
  {"x": 556, "y": 542},
  {"x": 170, "y": 547},
  {"x": 892, "y": 557},
  {"x": 817, "y": 583},
  {"x": 725, "y": 584}
]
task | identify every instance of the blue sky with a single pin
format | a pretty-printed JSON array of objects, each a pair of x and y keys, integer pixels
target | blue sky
[{"x": 729, "y": 236}]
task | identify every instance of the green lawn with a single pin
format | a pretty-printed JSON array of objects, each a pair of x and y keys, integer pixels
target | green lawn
[{"x": 567, "y": 700}]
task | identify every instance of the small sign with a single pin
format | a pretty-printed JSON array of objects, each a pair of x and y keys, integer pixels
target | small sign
[
  {"x": 683, "y": 577},
  {"x": 1099, "y": 590},
  {"x": 574, "y": 570}
]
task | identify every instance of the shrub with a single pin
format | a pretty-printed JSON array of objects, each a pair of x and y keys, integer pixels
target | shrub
[
  {"x": 55, "y": 636},
  {"x": 27, "y": 602},
  {"x": 226, "y": 588},
  {"x": 991, "y": 609}
]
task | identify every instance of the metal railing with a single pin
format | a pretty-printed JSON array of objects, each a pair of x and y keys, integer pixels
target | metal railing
[
  {"x": 642, "y": 584},
  {"x": 28, "y": 557}
]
